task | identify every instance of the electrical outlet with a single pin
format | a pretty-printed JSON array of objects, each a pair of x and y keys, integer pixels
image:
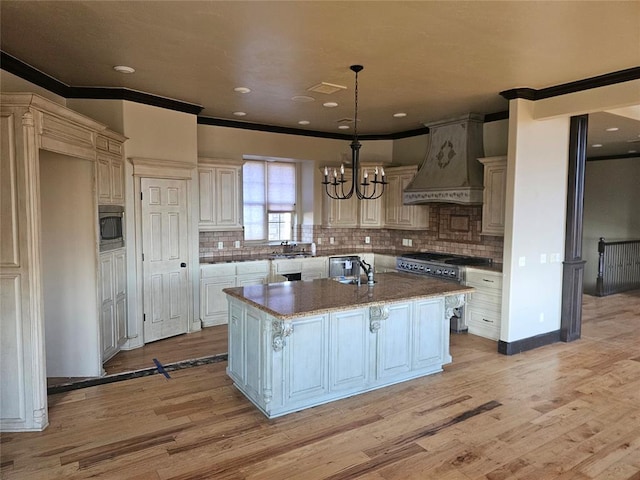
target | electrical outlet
[
  {"x": 332, "y": 240},
  {"x": 367, "y": 239},
  {"x": 237, "y": 244},
  {"x": 220, "y": 245},
  {"x": 410, "y": 242},
  {"x": 319, "y": 242},
  {"x": 543, "y": 258},
  {"x": 522, "y": 261},
  {"x": 405, "y": 242}
]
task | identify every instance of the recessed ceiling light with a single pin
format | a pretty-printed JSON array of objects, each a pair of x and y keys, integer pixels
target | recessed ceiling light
[
  {"x": 302, "y": 98},
  {"x": 239, "y": 114},
  {"x": 612, "y": 129},
  {"x": 242, "y": 90},
  {"x": 304, "y": 122},
  {"x": 330, "y": 104},
  {"x": 400, "y": 115},
  {"x": 596, "y": 145},
  {"x": 343, "y": 127},
  {"x": 124, "y": 69}
]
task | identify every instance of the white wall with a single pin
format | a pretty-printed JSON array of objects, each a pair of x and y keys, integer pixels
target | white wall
[
  {"x": 611, "y": 209},
  {"x": 534, "y": 223},
  {"x": 69, "y": 266},
  {"x": 160, "y": 134},
  {"x": 11, "y": 83}
]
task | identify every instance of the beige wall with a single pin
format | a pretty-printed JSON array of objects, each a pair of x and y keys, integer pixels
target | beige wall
[
  {"x": 611, "y": 209},
  {"x": 12, "y": 83}
]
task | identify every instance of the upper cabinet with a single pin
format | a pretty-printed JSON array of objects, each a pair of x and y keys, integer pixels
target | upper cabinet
[
  {"x": 352, "y": 212},
  {"x": 397, "y": 215},
  {"x": 110, "y": 166},
  {"x": 493, "y": 200},
  {"x": 220, "y": 194}
]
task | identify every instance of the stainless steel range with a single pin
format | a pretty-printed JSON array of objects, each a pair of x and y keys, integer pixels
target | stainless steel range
[
  {"x": 439, "y": 265},
  {"x": 443, "y": 266}
]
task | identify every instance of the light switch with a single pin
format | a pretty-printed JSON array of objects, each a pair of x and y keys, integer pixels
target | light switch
[
  {"x": 220, "y": 245},
  {"x": 332, "y": 240},
  {"x": 237, "y": 244},
  {"x": 367, "y": 239},
  {"x": 522, "y": 261},
  {"x": 319, "y": 242}
]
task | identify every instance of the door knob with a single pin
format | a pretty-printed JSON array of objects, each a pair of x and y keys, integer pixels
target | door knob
[{"x": 183, "y": 265}]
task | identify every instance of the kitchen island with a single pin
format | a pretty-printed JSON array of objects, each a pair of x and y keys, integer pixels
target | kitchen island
[{"x": 294, "y": 345}]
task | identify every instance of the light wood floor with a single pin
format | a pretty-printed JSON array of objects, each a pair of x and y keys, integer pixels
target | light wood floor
[{"x": 564, "y": 411}]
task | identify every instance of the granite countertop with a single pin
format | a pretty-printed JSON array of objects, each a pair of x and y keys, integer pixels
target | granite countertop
[{"x": 289, "y": 300}]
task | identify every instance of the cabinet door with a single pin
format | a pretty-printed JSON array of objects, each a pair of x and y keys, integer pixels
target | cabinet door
[
  {"x": 394, "y": 342},
  {"x": 120, "y": 273},
  {"x": 236, "y": 343},
  {"x": 213, "y": 307},
  {"x": 306, "y": 359},
  {"x": 121, "y": 320},
  {"x": 226, "y": 197},
  {"x": 104, "y": 180},
  {"x": 117, "y": 181},
  {"x": 430, "y": 334},
  {"x": 349, "y": 338},
  {"x": 206, "y": 181},
  {"x": 393, "y": 203},
  {"x": 495, "y": 178},
  {"x": 371, "y": 214},
  {"x": 107, "y": 293},
  {"x": 108, "y": 330}
]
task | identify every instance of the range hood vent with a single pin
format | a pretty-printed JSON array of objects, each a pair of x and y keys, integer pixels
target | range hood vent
[{"x": 451, "y": 172}]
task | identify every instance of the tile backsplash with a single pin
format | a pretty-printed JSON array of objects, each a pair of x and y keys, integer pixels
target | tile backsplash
[{"x": 452, "y": 229}]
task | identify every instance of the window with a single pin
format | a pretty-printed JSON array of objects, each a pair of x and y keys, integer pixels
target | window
[{"x": 269, "y": 193}]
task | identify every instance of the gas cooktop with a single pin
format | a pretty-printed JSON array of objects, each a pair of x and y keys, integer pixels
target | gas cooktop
[{"x": 441, "y": 265}]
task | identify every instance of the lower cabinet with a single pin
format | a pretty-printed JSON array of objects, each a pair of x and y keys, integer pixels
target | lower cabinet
[
  {"x": 287, "y": 365},
  {"x": 483, "y": 310},
  {"x": 214, "y": 278},
  {"x": 113, "y": 302}
]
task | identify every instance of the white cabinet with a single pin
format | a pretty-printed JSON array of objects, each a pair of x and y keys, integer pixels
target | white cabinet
[
  {"x": 352, "y": 213},
  {"x": 110, "y": 169},
  {"x": 220, "y": 194},
  {"x": 214, "y": 278},
  {"x": 493, "y": 197},
  {"x": 287, "y": 365},
  {"x": 113, "y": 301},
  {"x": 314, "y": 268},
  {"x": 483, "y": 310},
  {"x": 397, "y": 215}
]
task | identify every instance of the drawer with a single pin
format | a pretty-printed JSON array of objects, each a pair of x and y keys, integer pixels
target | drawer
[
  {"x": 252, "y": 267},
  {"x": 102, "y": 143},
  {"x": 483, "y": 322},
  {"x": 287, "y": 266},
  {"x": 483, "y": 279},
  {"x": 207, "y": 271},
  {"x": 485, "y": 299}
]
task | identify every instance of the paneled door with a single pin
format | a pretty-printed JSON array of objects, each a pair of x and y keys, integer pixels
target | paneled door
[{"x": 165, "y": 257}]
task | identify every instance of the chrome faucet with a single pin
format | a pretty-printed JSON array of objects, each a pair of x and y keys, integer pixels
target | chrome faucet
[{"x": 368, "y": 269}]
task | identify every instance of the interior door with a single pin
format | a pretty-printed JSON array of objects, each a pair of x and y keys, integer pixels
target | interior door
[{"x": 165, "y": 257}]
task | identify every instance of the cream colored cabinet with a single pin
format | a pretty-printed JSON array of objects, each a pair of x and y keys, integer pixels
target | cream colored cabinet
[
  {"x": 220, "y": 194},
  {"x": 110, "y": 167},
  {"x": 493, "y": 197},
  {"x": 397, "y": 215},
  {"x": 113, "y": 301},
  {"x": 483, "y": 311},
  {"x": 314, "y": 268},
  {"x": 215, "y": 278},
  {"x": 352, "y": 213}
]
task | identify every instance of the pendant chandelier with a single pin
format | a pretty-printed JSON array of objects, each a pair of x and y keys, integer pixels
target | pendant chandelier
[{"x": 362, "y": 186}]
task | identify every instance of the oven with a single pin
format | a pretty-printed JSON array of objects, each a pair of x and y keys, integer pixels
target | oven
[{"x": 443, "y": 266}]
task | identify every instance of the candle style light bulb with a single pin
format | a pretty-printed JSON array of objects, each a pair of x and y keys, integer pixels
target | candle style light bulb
[
  {"x": 342, "y": 169},
  {"x": 365, "y": 174},
  {"x": 376, "y": 171},
  {"x": 335, "y": 173},
  {"x": 326, "y": 171},
  {"x": 382, "y": 171}
]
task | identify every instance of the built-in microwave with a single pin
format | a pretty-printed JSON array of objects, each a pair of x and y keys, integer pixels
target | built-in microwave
[{"x": 111, "y": 227}]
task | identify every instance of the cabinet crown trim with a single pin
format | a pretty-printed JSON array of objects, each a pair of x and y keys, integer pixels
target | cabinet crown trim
[
  {"x": 219, "y": 162},
  {"x": 156, "y": 167}
]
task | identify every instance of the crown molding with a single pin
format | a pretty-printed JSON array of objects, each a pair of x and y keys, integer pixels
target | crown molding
[{"x": 572, "y": 87}]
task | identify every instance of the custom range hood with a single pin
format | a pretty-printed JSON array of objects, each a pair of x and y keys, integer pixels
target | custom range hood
[{"x": 451, "y": 172}]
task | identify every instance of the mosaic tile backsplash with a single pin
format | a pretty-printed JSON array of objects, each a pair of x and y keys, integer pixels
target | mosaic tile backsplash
[{"x": 452, "y": 229}]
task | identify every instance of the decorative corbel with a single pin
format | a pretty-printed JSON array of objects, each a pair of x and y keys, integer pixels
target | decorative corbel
[
  {"x": 281, "y": 330},
  {"x": 377, "y": 313}
]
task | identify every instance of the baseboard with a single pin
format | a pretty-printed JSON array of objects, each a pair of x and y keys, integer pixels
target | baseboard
[{"x": 524, "y": 344}]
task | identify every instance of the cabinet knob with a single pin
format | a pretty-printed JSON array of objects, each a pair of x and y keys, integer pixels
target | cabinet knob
[{"x": 183, "y": 265}]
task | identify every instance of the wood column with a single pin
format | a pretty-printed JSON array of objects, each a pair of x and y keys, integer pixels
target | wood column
[{"x": 573, "y": 265}]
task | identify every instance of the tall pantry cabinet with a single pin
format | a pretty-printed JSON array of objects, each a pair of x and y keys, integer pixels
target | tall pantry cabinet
[{"x": 49, "y": 253}]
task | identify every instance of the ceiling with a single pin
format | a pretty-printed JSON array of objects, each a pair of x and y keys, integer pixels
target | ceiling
[{"x": 428, "y": 59}]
